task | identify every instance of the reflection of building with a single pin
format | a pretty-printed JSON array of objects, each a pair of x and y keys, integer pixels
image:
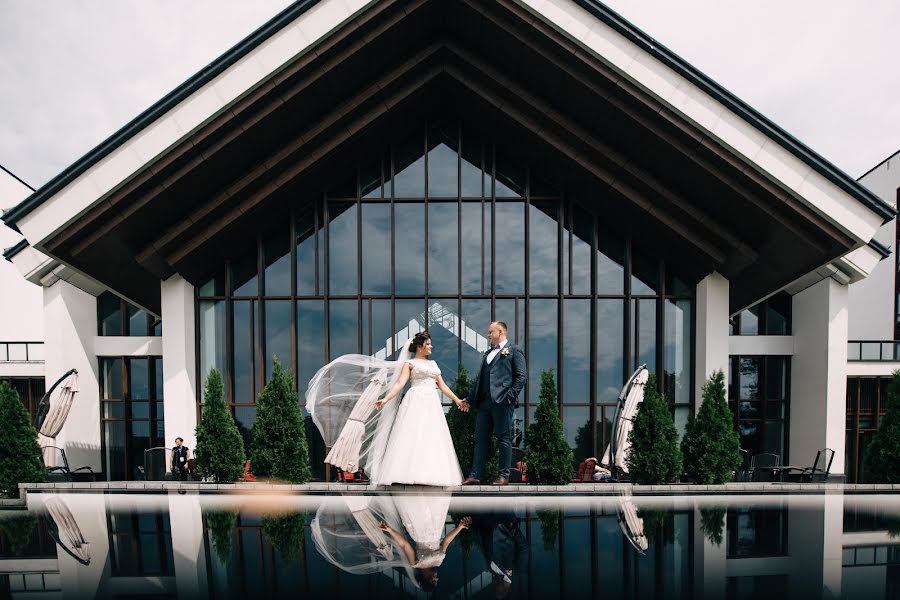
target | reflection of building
[
  {"x": 349, "y": 167},
  {"x": 160, "y": 546}
]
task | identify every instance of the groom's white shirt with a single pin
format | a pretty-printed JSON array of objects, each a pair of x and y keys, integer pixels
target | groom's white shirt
[{"x": 493, "y": 353}]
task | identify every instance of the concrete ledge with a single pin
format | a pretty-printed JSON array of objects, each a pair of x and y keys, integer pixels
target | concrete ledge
[
  {"x": 580, "y": 489},
  {"x": 12, "y": 503}
]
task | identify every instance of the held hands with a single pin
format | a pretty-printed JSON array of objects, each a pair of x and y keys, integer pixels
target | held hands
[
  {"x": 463, "y": 405},
  {"x": 465, "y": 522}
]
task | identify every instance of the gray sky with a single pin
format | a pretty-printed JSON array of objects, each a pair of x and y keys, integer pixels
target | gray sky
[{"x": 72, "y": 72}]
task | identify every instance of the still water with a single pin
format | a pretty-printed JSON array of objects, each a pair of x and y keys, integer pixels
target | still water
[{"x": 419, "y": 546}]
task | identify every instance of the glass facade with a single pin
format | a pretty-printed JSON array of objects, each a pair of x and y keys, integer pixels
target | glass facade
[
  {"x": 118, "y": 317},
  {"x": 772, "y": 316},
  {"x": 445, "y": 232}
]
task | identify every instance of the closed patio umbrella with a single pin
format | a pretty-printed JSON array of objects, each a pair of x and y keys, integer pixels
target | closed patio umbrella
[
  {"x": 55, "y": 405},
  {"x": 631, "y": 395},
  {"x": 632, "y": 525},
  {"x": 65, "y": 531}
]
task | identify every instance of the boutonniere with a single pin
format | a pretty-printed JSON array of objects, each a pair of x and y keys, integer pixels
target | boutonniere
[{"x": 505, "y": 351}]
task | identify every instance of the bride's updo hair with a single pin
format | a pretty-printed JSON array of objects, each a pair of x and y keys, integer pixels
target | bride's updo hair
[{"x": 418, "y": 341}]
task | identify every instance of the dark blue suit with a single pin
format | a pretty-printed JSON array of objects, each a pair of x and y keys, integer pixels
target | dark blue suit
[{"x": 495, "y": 395}]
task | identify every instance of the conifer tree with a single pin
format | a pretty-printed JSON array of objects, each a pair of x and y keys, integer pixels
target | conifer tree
[
  {"x": 20, "y": 454},
  {"x": 220, "y": 447},
  {"x": 547, "y": 453},
  {"x": 881, "y": 463},
  {"x": 279, "y": 449},
  {"x": 462, "y": 429},
  {"x": 655, "y": 457},
  {"x": 711, "y": 446}
]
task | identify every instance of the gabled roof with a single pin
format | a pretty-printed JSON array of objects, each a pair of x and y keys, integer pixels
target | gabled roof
[
  {"x": 630, "y": 129},
  {"x": 595, "y": 8}
]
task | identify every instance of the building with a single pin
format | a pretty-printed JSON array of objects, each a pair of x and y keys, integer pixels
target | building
[{"x": 355, "y": 171}]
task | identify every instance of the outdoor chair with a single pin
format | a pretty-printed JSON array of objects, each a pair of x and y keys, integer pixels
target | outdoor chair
[
  {"x": 818, "y": 472},
  {"x": 157, "y": 464},
  {"x": 764, "y": 467},
  {"x": 55, "y": 461},
  {"x": 743, "y": 472},
  {"x": 586, "y": 471}
]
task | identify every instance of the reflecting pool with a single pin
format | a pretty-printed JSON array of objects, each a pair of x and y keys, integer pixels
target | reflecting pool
[{"x": 188, "y": 545}]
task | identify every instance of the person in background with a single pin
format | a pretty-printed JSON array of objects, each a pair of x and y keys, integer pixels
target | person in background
[{"x": 181, "y": 458}]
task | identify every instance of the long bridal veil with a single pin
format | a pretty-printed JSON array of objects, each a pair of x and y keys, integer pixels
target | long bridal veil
[{"x": 340, "y": 399}]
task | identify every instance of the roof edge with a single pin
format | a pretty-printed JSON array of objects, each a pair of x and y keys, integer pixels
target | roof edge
[
  {"x": 880, "y": 248},
  {"x": 160, "y": 107},
  {"x": 739, "y": 107},
  {"x": 15, "y": 249}
]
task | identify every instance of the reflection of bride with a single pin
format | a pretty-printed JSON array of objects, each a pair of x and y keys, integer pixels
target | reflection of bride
[
  {"x": 394, "y": 442},
  {"x": 364, "y": 535}
]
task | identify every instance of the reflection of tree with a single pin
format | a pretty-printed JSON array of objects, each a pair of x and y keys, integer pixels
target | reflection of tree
[
  {"x": 654, "y": 523},
  {"x": 220, "y": 526},
  {"x": 712, "y": 521},
  {"x": 584, "y": 444},
  {"x": 285, "y": 533},
  {"x": 18, "y": 531},
  {"x": 749, "y": 370},
  {"x": 549, "y": 519}
]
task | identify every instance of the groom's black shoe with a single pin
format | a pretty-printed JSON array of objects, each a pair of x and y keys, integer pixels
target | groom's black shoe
[{"x": 471, "y": 481}]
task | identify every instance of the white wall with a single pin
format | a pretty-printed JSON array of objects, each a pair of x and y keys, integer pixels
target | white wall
[
  {"x": 71, "y": 318},
  {"x": 872, "y": 299},
  {"x": 819, "y": 373}
]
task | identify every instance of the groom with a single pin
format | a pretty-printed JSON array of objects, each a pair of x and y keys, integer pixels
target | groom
[{"x": 495, "y": 395}]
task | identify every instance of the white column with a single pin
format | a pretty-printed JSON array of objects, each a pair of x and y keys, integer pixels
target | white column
[
  {"x": 188, "y": 548},
  {"x": 819, "y": 373},
  {"x": 70, "y": 329},
  {"x": 179, "y": 346},
  {"x": 712, "y": 331}
]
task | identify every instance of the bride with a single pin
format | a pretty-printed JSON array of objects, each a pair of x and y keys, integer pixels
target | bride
[{"x": 409, "y": 443}]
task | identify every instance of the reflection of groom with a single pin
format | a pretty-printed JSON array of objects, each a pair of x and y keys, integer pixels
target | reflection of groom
[
  {"x": 502, "y": 542},
  {"x": 495, "y": 395}
]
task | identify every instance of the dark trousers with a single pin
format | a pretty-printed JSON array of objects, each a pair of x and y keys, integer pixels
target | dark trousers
[
  {"x": 497, "y": 419},
  {"x": 182, "y": 472}
]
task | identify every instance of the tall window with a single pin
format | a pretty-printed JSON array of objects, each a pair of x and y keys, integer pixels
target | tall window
[
  {"x": 446, "y": 231},
  {"x": 131, "y": 414},
  {"x": 866, "y": 405},
  {"x": 759, "y": 398}
]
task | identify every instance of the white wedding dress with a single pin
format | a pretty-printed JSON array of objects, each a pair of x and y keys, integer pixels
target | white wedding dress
[{"x": 420, "y": 450}]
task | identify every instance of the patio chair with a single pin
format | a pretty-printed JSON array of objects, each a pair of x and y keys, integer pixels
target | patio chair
[
  {"x": 763, "y": 467},
  {"x": 818, "y": 472},
  {"x": 55, "y": 461}
]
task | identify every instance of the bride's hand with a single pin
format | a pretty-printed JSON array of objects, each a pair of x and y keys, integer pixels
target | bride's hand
[
  {"x": 465, "y": 522},
  {"x": 379, "y": 403}
]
